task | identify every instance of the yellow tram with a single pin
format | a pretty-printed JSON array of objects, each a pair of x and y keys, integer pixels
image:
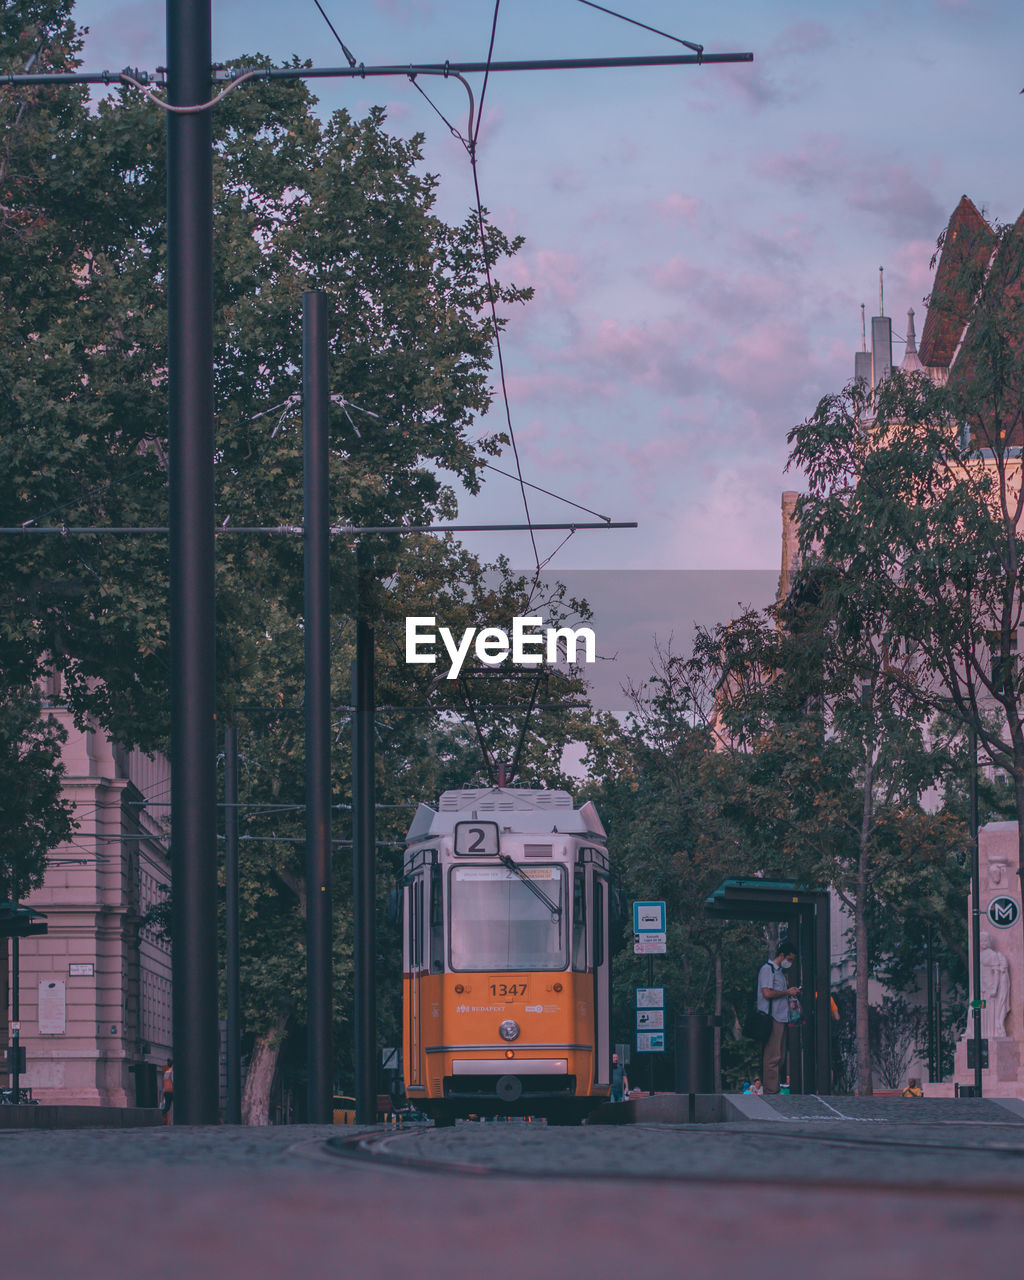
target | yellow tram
[{"x": 506, "y": 901}]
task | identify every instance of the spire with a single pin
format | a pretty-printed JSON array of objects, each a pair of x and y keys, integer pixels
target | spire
[{"x": 911, "y": 360}]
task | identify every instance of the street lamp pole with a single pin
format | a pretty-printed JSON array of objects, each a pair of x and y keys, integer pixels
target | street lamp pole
[
  {"x": 190, "y": 396},
  {"x": 975, "y": 909}
]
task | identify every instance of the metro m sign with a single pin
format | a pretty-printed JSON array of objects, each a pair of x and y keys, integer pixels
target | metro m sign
[{"x": 1003, "y": 912}]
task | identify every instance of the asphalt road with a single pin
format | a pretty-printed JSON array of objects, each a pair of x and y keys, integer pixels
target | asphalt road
[{"x": 827, "y": 1199}]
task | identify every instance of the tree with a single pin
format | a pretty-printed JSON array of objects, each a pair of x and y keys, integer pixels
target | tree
[
  {"x": 655, "y": 783},
  {"x": 809, "y": 702},
  {"x": 916, "y": 491},
  {"x": 34, "y": 816},
  {"x": 300, "y": 202}
]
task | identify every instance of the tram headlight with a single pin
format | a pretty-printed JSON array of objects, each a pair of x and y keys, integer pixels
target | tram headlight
[{"x": 509, "y": 1029}]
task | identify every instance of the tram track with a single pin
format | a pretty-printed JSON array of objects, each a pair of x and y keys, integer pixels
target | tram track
[{"x": 390, "y": 1149}]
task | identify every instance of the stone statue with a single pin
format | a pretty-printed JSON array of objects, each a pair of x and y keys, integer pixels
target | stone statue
[
  {"x": 995, "y": 989},
  {"x": 997, "y": 873}
]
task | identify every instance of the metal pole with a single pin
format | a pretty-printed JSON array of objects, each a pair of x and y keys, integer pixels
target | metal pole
[
  {"x": 190, "y": 395},
  {"x": 316, "y": 630},
  {"x": 930, "y": 965},
  {"x": 650, "y": 1056},
  {"x": 364, "y": 851},
  {"x": 15, "y": 1017},
  {"x": 231, "y": 931},
  {"x": 408, "y": 70},
  {"x": 975, "y": 909}
]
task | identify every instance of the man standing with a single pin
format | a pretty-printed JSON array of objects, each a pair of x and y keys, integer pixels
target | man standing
[
  {"x": 773, "y": 992},
  {"x": 620, "y": 1084},
  {"x": 168, "y": 1099}
]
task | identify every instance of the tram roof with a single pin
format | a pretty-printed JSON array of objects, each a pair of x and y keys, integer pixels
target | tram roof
[{"x": 513, "y": 808}]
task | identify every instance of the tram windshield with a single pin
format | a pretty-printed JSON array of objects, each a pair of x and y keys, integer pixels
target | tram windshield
[{"x": 498, "y": 921}]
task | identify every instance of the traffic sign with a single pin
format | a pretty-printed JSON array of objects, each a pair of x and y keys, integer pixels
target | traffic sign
[
  {"x": 1003, "y": 912},
  {"x": 648, "y": 917},
  {"x": 649, "y": 944}
]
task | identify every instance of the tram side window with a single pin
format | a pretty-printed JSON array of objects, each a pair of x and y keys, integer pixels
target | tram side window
[
  {"x": 416, "y": 924},
  {"x": 599, "y": 921},
  {"x": 436, "y": 921},
  {"x": 579, "y": 921}
]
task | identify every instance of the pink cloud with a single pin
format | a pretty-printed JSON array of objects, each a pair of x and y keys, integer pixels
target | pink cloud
[
  {"x": 679, "y": 274},
  {"x": 675, "y": 206},
  {"x": 406, "y": 12},
  {"x": 803, "y": 37},
  {"x": 134, "y": 32},
  {"x": 877, "y": 184},
  {"x": 558, "y": 277}
]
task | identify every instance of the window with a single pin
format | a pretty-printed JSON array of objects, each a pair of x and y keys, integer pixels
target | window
[
  {"x": 579, "y": 921},
  {"x": 436, "y": 921},
  {"x": 599, "y": 921},
  {"x": 416, "y": 924},
  {"x": 503, "y": 919}
]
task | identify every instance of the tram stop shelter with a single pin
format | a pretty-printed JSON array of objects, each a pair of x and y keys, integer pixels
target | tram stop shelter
[{"x": 805, "y": 912}]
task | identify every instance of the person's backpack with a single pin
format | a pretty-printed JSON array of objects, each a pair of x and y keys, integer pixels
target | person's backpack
[{"x": 758, "y": 1025}]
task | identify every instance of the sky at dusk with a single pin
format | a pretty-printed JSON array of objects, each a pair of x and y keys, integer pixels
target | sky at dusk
[{"x": 700, "y": 238}]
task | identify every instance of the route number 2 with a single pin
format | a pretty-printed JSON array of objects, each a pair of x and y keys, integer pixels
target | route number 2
[{"x": 476, "y": 838}]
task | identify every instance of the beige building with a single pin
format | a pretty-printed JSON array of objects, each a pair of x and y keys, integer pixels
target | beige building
[{"x": 95, "y": 991}]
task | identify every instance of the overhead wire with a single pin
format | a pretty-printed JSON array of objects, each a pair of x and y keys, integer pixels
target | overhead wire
[
  {"x": 344, "y": 48},
  {"x": 557, "y": 496},
  {"x": 472, "y": 151},
  {"x": 487, "y": 72},
  {"x": 697, "y": 48},
  {"x": 468, "y": 142}
]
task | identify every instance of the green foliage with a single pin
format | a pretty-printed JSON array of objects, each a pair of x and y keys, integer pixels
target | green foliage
[
  {"x": 301, "y": 202},
  {"x": 34, "y": 817},
  {"x": 917, "y": 492},
  {"x": 657, "y": 787}
]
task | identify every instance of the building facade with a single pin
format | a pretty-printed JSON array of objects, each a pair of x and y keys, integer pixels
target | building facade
[{"x": 95, "y": 990}]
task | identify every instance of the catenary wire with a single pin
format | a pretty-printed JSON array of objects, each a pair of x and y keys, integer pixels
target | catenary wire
[
  {"x": 557, "y": 496},
  {"x": 487, "y": 72},
  {"x": 344, "y": 49},
  {"x": 469, "y": 143},
  {"x": 697, "y": 48}
]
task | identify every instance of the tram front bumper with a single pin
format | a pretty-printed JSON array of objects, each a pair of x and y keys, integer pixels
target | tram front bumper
[{"x": 508, "y": 1080}]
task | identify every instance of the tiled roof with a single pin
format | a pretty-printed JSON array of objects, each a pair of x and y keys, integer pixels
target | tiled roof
[
  {"x": 969, "y": 241},
  {"x": 993, "y": 380}
]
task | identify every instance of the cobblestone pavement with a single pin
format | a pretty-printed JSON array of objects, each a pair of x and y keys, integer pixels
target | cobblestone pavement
[
  {"x": 945, "y": 1200},
  {"x": 944, "y": 1155}
]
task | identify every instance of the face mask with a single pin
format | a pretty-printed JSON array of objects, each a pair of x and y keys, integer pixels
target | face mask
[{"x": 786, "y": 964}]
